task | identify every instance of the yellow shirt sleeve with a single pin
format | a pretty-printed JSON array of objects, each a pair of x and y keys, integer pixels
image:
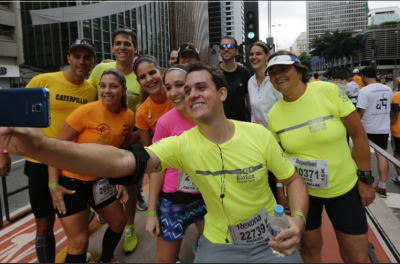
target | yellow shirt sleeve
[{"x": 167, "y": 150}]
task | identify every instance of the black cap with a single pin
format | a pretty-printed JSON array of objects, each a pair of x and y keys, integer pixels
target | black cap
[
  {"x": 82, "y": 43},
  {"x": 186, "y": 47}
]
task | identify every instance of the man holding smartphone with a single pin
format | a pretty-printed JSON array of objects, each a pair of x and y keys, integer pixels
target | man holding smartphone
[{"x": 68, "y": 90}]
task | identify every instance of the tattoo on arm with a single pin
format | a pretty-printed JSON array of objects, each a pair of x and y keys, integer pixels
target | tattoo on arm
[{"x": 158, "y": 166}]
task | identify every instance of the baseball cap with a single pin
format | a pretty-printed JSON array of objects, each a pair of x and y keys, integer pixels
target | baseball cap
[
  {"x": 350, "y": 75},
  {"x": 356, "y": 71},
  {"x": 282, "y": 60},
  {"x": 186, "y": 47},
  {"x": 82, "y": 43}
]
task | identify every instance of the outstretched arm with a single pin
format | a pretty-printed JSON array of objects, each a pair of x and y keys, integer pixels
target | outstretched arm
[{"x": 87, "y": 159}]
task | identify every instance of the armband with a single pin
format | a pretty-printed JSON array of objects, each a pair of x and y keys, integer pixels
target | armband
[
  {"x": 53, "y": 185},
  {"x": 141, "y": 156},
  {"x": 151, "y": 213},
  {"x": 3, "y": 151},
  {"x": 301, "y": 215}
]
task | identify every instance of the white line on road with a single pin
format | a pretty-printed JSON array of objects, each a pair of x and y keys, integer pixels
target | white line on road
[{"x": 15, "y": 162}]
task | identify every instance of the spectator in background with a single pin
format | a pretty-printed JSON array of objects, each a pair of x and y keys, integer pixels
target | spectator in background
[
  {"x": 324, "y": 79},
  {"x": 396, "y": 84},
  {"x": 237, "y": 104},
  {"x": 374, "y": 110},
  {"x": 316, "y": 78},
  {"x": 352, "y": 89},
  {"x": 173, "y": 58},
  {"x": 395, "y": 131},
  {"x": 357, "y": 78},
  {"x": 188, "y": 53},
  {"x": 390, "y": 77}
]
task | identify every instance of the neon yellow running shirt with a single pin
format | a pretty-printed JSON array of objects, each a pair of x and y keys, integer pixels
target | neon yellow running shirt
[
  {"x": 310, "y": 128},
  {"x": 245, "y": 160}
]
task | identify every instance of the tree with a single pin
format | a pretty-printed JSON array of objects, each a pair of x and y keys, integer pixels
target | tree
[
  {"x": 305, "y": 59},
  {"x": 336, "y": 44}
]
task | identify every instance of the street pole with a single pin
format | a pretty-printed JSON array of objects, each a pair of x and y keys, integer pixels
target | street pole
[{"x": 276, "y": 25}]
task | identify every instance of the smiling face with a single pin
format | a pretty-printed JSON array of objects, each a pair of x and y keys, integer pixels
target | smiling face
[
  {"x": 149, "y": 77},
  {"x": 81, "y": 62},
  {"x": 187, "y": 57},
  {"x": 123, "y": 48},
  {"x": 228, "y": 54},
  {"x": 285, "y": 78},
  {"x": 203, "y": 101},
  {"x": 258, "y": 58},
  {"x": 174, "y": 87},
  {"x": 111, "y": 91},
  {"x": 173, "y": 59}
]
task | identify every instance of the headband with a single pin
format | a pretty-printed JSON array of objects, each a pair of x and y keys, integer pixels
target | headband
[
  {"x": 179, "y": 69},
  {"x": 145, "y": 57}
]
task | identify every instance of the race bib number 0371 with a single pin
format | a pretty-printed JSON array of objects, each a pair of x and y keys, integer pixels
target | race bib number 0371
[{"x": 313, "y": 172}]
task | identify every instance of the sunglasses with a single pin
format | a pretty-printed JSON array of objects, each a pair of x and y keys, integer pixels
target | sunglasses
[
  {"x": 229, "y": 46},
  {"x": 82, "y": 41}
]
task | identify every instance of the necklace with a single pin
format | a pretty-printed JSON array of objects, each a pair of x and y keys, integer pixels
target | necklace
[{"x": 148, "y": 105}]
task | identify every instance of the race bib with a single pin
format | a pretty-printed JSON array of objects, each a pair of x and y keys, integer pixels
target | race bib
[
  {"x": 185, "y": 184},
  {"x": 252, "y": 231},
  {"x": 313, "y": 172},
  {"x": 103, "y": 190}
]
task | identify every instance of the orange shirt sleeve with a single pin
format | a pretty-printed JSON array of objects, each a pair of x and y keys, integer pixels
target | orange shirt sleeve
[
  {"x": 141, "y": 116},
  {"x": 78, "y": 119}
]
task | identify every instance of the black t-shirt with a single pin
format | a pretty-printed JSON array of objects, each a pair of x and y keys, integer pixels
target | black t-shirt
[{"x": 235, "y": 104}]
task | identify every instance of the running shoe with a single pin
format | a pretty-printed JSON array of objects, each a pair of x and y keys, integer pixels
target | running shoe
[
  {"x": 395, "y": 181},
  {"x": 101, "y": 219},
  {"x": 91, "y": 215},
  {"x": 141, "y": 204},
  {"x": 89, "y": 258},
  {"x": 195, "y": 246},
  {"x": 381, "y": 192},
  {"x": 131, "y": 241}
]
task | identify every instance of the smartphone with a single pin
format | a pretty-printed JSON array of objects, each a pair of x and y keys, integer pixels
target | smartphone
[{"x": 21, "y": 107}]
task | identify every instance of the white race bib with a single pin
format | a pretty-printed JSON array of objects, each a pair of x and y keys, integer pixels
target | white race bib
[
  {"x": 185, "y": 184},
  {"x": 103, "y": 190},
  {"x": 253, "y": 230},
  {"x": 314, "y": 172}
]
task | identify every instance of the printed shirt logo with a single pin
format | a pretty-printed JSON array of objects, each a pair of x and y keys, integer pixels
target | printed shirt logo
[
  {"x": 103, "y": 129},
  {"x": 315, "y": 125},
  {"x": 124, "y": 130},
  {"x": 380, "y": 103},
  {"x": 245, "y": 175}
]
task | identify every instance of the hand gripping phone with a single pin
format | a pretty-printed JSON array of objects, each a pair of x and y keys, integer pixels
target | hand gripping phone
[{"x": 29, "y": 107}]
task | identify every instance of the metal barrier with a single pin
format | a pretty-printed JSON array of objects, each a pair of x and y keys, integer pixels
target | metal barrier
[
  {"x": 385, "y": 238},
  {"x": 7, "y": 194}
]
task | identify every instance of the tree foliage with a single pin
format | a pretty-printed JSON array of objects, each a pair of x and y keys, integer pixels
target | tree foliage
[
  {"x": 336, "y": 44},
  {"x": 305, "y": 59}
]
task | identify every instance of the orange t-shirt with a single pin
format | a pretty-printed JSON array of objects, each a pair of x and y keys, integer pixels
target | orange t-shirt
[
  {"x": 149, "y": 112},
  {"x": 396, "y": 127},
  {"x": 97, "y": 125},
  {"x": 358, "y": 80}
]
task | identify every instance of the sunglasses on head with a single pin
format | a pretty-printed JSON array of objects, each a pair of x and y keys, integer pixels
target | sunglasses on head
[
  {"x": 82, "y": 41},
  {"x": 229, "y": 46},
  {"x": 127, "y": 30}
]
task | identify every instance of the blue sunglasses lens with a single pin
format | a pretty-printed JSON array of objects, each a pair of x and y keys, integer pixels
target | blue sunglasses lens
[{"x": 223, "y": 46}]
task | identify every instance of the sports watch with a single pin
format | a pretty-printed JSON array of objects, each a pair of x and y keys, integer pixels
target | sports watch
[{"x": 366, "y": 177}]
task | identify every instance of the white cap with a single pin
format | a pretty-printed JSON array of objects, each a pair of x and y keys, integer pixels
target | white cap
[
  {"x": 355, "y": 71},
  {"x": 282, "y": 60}
]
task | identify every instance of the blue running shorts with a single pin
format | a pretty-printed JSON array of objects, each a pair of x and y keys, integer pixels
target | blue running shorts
[{"x": 176, "y": 217}]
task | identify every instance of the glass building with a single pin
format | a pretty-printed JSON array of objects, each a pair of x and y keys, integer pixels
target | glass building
[{"x": 46, "y": 46}]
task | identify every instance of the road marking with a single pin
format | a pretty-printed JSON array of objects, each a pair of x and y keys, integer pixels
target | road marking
[
  {"x": 16, "y": 225},
  {"x": 392, "y": 200},
  {"x": 15, "y": 162}
]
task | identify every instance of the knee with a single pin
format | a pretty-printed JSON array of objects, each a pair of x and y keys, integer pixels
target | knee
[
  {"x": 78, "y": 244},
  {"x": 310, "y": 249},
  {"x": 44, "y": 226},
  {"x": 118, "y": 226}
]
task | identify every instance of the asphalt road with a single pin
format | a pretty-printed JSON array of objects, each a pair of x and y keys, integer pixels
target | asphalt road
[{"x": 17, "y": 179}]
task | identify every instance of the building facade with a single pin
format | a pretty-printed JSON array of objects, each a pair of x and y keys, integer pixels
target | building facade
[
  {"x": 300, "y": 44},
  {"x": 46, "y": 46},
  {"x": 189, "y": 23},
  {"x": 325, "y": 16},
  {"x": 380, "y": 15},
  {"x": 225, "y": 19},
  {"x": 11, "y": 50}
]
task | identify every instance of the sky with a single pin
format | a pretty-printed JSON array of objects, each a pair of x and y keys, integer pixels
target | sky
[{"x": 291, "y": 15}]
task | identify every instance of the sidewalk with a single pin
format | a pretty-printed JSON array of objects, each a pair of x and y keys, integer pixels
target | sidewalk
[{"x": 17, "y": 240}]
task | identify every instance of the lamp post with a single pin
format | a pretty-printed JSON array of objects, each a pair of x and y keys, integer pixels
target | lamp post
[
  {"x": 395, "y": 55},
  {"x": 276, "y": 25}
]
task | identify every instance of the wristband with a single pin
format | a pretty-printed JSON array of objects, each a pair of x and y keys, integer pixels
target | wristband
[
  {"x": 3, "y": 151},
  {"x": 280, "y": 185},
  {"x": 151, "y": 213},
  {"x": 301, "y": 215},
  {"x": 53, "y": 185}
]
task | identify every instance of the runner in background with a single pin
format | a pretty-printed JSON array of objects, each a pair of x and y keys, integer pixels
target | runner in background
[
  {"x": 317, "y": 78},
  {"x": 188, "y": 53},
  {"x": 374, "y": 109},
  {"x": 262, "y": 97},
  {"x": 395, "y": 131},
  {"x": 173, "y": 58},
  {"x": 125, "y": 51},
  {"x": 180, "y": 203},
  {"x": 357, "y": 78},
  {"x": 237, "y": 105},
  {"x": 352, "y": 89},
  {"x": 310, "y": 123},
  {"x": 105, "y": 122},
  {"x": 68, "y": 90}
]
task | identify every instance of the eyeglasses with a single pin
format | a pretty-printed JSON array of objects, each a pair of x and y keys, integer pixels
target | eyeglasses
[
  {"x": 229, "y": 46},
  {"x": 82, "y": 41}
]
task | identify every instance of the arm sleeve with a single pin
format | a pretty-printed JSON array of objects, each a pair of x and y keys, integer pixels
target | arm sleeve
[
  {"x": 92, "y": 79},
  {"x": 343, "y": 104},
  {"x": 168, "y": 151},
  {"x": 35, "y": 82},
  {"x": 277, "y": 161},
  {"x": 348, "y": 87},
  {"x": 78, "y": 119}
]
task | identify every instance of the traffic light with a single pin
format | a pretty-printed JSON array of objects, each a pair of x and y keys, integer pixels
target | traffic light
[{"x": 251, "y": 27}]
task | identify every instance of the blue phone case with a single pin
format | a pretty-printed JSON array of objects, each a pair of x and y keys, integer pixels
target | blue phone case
[{"x": 28, "y": 107}]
